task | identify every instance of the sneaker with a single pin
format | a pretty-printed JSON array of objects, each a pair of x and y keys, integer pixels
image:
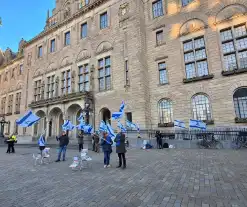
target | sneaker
[
  {"x": 105, "y": 166},
  {"x": 57, "y": 161},
  {"x": 108, "y": 166}
]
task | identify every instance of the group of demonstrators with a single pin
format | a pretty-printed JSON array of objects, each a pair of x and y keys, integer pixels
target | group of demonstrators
[{"x": 104, "y": 137}]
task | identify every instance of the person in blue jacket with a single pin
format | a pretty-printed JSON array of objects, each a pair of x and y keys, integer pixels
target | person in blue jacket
[{"x": 106, "y": 144}]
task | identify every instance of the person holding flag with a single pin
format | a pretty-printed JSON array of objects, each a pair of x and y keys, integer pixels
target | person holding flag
[
  {"x": 120, "y": 148},
  {"x": 106, "y": 144},
  {"x": 63, "y": 142},
  {"x": 41, "y": 143}
]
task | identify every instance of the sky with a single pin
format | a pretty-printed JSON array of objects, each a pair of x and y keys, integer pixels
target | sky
[{"x": 22, "y": 19}]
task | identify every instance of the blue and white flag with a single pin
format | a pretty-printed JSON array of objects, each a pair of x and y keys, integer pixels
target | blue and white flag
[
  {"x": 81, "y": 118},
  {"x": 116, "y": 115},
  {"x": 197, "y": 124},
  {"x": 180, "y": 124},
  {"x": 28, "y": 119},
  {"x": 102, "y": 127},
  {"x": 131, "y": 125},
  {"x": 110, "y": 130},
  {"x": 68, "y": 126},
  {"x": 88, "y": 129},
  {"x": 122, "y": 106},
  {"x": 81, "y": 126},
  {"x": 121, "y": 127},
  {"x": 41, "y": 141}
]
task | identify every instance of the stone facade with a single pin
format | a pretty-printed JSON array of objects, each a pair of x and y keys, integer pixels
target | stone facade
[{"x": 137, "y": 36}]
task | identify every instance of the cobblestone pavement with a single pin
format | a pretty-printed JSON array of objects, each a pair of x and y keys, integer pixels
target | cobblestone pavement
[{"x": 163, "y": 178}]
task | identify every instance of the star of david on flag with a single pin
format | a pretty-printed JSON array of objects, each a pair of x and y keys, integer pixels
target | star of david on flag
[
  {"x": 180, "y": 124},
  {"x": 27, "y": 120},
  {"x": 197, "y": 124}
]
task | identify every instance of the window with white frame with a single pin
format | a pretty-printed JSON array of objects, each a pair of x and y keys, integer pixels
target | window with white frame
[
  {"x": 159, "y": 37},
  {"x": 201, "y": 107},
  {"x": 165, "y": 111},
  {"x": 66, "y": 82},
  {"x": 157, "y": 7},
  {"x": 195, "y": 58},
  {"x": 234, "y": 47},
  {"x": 17, "y": 102},
  {"x": 83, "y": 78},
  {"x": 53, "y": 46},
  {"x": 51, "y": 86},
  {"x": 84, "y": 30},
  {"x": 67, "y": 38},
  {"x": 162, "y": 73},
  {"x": 40, "y": 51},
  {"x": 240, "y": 103},
  {"x": 104, "y": 68},
  {"x": 37, "y": 90},
  {"x": 10, "y": 104}
]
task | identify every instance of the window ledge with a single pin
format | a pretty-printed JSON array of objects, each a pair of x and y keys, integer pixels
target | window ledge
[
  {"x": 17, "y": 112},
  {"x": 240, "y": 120},
  {"x": 8, "y": 114},
  {"x": 205, "y": 77},
  {"x": 209, "y": 122},
  {"x": 162, "y": 84},
  {"x": 158, "y": 45},
  {"x": 170, "y": 124},
  {"x": 234, "y": 72}
]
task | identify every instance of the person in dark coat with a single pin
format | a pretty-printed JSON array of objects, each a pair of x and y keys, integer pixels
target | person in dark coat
[
  {"x": 106, "y": 144},
  {"x": 80, "y": 140},
  {"x": 96, "y": 141},
  {"x": 63, "y": 142},
  {"x": 158, "y": 140},
  {"x": 120, "y": 149}
]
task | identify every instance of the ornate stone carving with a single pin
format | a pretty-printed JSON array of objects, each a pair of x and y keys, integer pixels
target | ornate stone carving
[
  {"x": 66, "y": 13},
  {"x": 73, "y": 81},
  {"x": 123, "y": 9},
  {"x": 104, "y": 47},
  {"x": 192, "y": 25},
  {"x": 29, "y": 59}
]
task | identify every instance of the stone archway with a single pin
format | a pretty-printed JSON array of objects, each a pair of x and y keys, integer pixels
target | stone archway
[
  {"x": 105, "y": 115},
  {"x": 55, "y": 122},
  {"x": 40, "y": 127},
  {"x": 73, "y": 113}
]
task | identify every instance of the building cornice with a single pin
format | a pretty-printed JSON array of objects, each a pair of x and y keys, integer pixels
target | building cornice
[
  {"x": 84, "y": 10},
  {"x": 12, "y": 61}
]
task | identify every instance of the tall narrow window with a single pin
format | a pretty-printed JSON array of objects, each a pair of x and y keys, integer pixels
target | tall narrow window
[
  {"x": 159, "y": 37},
  {"x": 162, "y": 73},
  {"x": 104, "y": 66},
  {"x": 83, "y": 78},
  {"x": 157, "y": 8},
  {"x": 51, "y": 86},
  {"x": 37, "y": 90},
  {"x": 17, "y": 103},
  {"x": 127, "y": 82},
  {"x": 21, "y": 69},
  {"x": 103, "y": 20},
  {"x": 165, "y": 111},
  {"x": 129, "y": 116},
  {"x": 84, "y": 30},
  {"x": 13, "y": 73},
  {"x": 201, "y": 107},
  {"x": 40, "y": 52},
  {"x": 10, "y": 104},
  {"x": 66, "y": 82},
  {"x": 240, "y": 103},
  {"x": 67, "y": 38},
  {"x": 195, "y": 58},
  {"x": 6, "y": 76},
  {"x": 234, "y": 47},
  {"x": 3, "y": 105},
  {"x": 53, "y": 45},
  {"x": 186, "y": 2}
]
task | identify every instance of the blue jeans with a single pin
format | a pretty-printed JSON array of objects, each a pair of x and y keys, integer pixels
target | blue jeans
[
  {"x": 62, "y": 149},
  {"x": 107, "y": 158}
]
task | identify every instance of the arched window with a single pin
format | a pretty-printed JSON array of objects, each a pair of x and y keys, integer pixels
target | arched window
[
  {"x": 165, "y": 111},
  {"x": 240, "y": 102},
  {"x": 201, "y": 107}
]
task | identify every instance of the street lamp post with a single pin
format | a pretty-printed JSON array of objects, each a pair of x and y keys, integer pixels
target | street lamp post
[{"x": 2, "y": 123}]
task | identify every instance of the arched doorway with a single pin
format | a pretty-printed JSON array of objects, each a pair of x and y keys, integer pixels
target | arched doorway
[
  {"x": 105, "y": 115},
  {"x": 74, "y": 112},
  {"x": 55, "y": 122},
  {"x": 40, "y": 127}
]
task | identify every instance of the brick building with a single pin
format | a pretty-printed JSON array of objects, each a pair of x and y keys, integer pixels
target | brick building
[{"x": 168, "y": 59}]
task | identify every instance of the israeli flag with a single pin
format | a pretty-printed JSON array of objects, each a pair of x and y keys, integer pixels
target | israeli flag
[
  {"x": 197, "y": 124},
  {"x": 68, "y": 126},
  {"x": 28, "y": 119},
  {"x": 179, "y": 124},
  {"x": 131, "y": 125},
  {"x": 120, "y": 126},
  {"x": 41, "y": 141},
  {"x": 122, "y": 106},
  {"x": 110, "y": 130},
  {"x": 102, "y": 127},
  {"x": 81, "y": 118},
  {"x": 88, "y": 129},
  {"x": 81, "y": 126},
  {"x": 116, "y": 115}
]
